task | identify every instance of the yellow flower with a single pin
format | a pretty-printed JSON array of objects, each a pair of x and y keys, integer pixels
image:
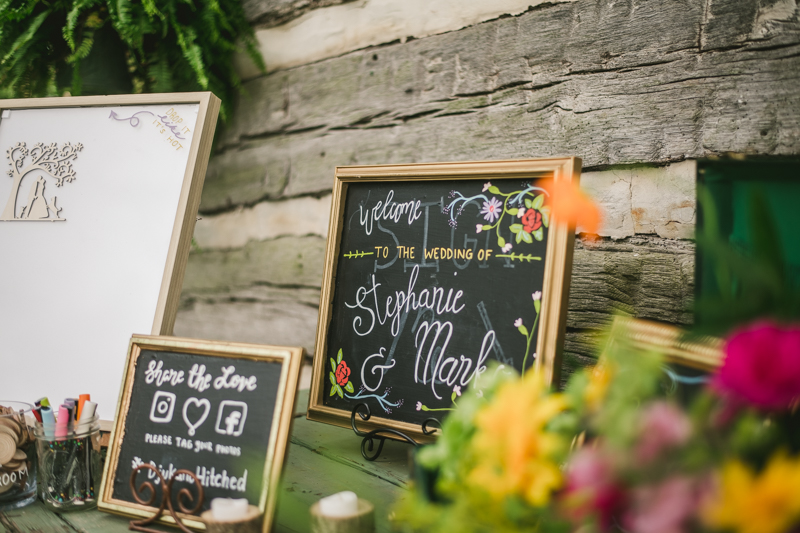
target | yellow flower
[
  {"x": 750, "y": 503},
  {"x": 514, "y": 453},
  {"x": 599, "y": 378}
]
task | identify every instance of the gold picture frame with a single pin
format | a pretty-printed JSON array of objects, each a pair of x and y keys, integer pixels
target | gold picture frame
[
  {"x": 290, "y": 360},
  {"x": 701, "y": 353},
  {"x": 557, "y": 266}
]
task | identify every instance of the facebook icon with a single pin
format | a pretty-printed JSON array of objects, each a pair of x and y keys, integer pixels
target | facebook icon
[{"x": 231, "y": 417}]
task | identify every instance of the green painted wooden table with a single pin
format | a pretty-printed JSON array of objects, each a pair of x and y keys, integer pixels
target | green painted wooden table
[{"x": 322, "y": 460}]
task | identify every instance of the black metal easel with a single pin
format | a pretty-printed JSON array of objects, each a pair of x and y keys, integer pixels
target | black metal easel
[
  {"x": 166, "y": 498},
  {"x": 368, "y": 437}
]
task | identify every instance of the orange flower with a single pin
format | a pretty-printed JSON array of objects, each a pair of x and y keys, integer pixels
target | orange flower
[{"x": 568, "y": 203}]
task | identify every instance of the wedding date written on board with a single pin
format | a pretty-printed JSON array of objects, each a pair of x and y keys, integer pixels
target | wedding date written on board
[
  {"x": 435, "y": 280},
  {"x": 209, "y": 415}
]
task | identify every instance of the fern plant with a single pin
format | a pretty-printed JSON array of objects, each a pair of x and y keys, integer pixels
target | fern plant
[{"x": 49, "y": 47}]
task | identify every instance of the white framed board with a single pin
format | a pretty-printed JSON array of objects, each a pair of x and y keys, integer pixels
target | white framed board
[{"x": 98, "y": 201}]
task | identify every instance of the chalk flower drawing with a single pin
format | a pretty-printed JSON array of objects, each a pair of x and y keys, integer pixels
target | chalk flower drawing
[
  {"x": 526, "y": 204},
  {"x": 490, "y": 209},
  {"x": 40, "y": 162},
  {"x": 456, "y": 394},
  {"x": 537, "y": 305},
  {"x": 341, "y": 385},
  {"x": 340, "y": 375}
]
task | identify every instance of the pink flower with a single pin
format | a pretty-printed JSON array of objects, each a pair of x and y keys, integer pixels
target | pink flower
[
  {"x": 457, "y": 390},
  {"x": 591, "y": 488},
  {"x": 762, "y": 366},
  {"x": 491, "y": 209},
  {"x": 486, "y": 186},
  {"x": 517, "y": 322},
  {"x": 419, "y": 406},
  {"x": 507, "y": 247},
  {"x": 478, "y": 228},
  {"x": 537, "y": 295},
  {"x": 662, "y": 426},
  {"x": 662, "y": 508},
  {"x": 521, "y": 212}
]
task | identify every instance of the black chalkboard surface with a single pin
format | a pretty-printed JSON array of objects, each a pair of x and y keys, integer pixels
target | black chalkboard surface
[
  {"x": 219, "y": 410},
  {"x": 429, "y": 279}
]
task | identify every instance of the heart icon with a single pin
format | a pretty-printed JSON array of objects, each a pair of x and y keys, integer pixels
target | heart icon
[{"x": 205, "y": 404}]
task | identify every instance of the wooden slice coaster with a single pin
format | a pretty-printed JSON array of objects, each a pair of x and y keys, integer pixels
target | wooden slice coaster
[
  {"x": 11, "y": 427},
  {"x": 13, "y": 466},
  {"x": 20, "y": 455},
  {"x": 8, "y": 447}
]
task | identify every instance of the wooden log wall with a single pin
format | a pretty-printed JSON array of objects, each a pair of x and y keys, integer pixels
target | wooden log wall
[{"x": 637, "y": 88}]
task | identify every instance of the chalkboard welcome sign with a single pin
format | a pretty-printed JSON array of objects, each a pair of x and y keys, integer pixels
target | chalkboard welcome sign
[
  {"x": 432, "y": 272},
  {"x": 220, "y": 410}
]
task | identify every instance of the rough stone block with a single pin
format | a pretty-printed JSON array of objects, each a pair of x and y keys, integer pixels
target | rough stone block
[
  {"x": 266, "y": 220},
  {"x": 286, "y": 261}
]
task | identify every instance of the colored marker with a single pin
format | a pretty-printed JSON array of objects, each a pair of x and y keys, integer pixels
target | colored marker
[
  {"x": 82, "y": 399},
  {"x": 85, "y": 425},
  {"x": 62, "y": 422},
  {"x": 48, "y": 422},
  {"x": 73, "y": 409}
]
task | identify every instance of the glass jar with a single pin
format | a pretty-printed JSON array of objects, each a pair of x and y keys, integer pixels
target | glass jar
[
  {"x": 69, "y": 465},
  {"x": 17, "y": 456}
]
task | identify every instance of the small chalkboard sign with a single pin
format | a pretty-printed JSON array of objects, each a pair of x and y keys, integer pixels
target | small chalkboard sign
[
  {"x": 219, "y": 410},
  {"x": 432, "y": 272}
]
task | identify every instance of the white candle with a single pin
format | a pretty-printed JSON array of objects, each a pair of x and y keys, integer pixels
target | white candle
[
  {"x": 340, "y": 504},
  {"x": 229, "y": 509}
]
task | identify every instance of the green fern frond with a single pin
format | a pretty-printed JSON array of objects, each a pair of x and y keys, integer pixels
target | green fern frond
[
  {"x": 72, "y": 20},
  {"x": 83, "y": 50},
  {"x": 165, "y": 45},
  {"x": 16, "y": 52},
  {"x": 192, "y": 53}
]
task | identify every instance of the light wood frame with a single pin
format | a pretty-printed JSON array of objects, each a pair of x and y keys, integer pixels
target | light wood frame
[
  {"x": 703, "y": 353},
  {"x": 557, "y": 268},
  {"x": 290, "y": 359},
  {"x": 186, "y": 216}
]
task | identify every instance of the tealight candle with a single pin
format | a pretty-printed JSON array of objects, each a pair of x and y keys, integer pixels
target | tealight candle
[
  {"x": 340, "y": 504},
  {"x": 342, "y": 513},
  {"x": 229, "y": 509}
]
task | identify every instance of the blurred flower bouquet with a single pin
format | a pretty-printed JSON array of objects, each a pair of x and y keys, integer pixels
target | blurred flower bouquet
[{"x": 614, "y": 452}]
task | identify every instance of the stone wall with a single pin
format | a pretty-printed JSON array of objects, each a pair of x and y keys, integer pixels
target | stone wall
[{"x": 637, "y": 88}]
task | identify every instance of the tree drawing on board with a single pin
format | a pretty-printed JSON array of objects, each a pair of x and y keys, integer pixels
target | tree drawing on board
[{"x": 42, "y": 161}]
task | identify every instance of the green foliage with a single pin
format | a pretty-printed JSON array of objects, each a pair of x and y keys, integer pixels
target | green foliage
[
  {"x": 750, "y": 279},
  {"x": 49, "y": 47}
]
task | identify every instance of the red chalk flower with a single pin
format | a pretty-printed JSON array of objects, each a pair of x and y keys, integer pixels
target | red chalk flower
[
  {"x": 342, "y": 374},
  {"x": 762, "y": 366},
  {"x": 531, "y": 220}
]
